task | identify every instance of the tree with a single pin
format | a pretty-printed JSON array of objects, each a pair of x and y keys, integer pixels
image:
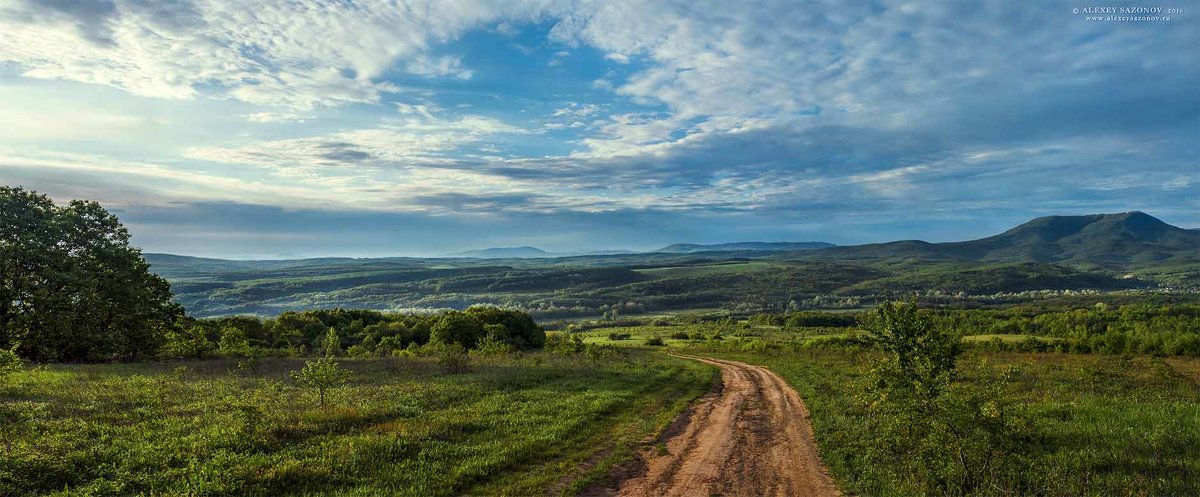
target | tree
[
  {"x": 952, "y": 437},
  {"x": 189, "y": 343},
  {"x": 233, "y": 342},
  {"x": 71, "y": 286},
  {"x": 322, "y": 374},
  {"x": 332, "y": 344},
  {"x": 457, "y": 328},
  {"x": 919, "y": 356},
  {"x": 518, "y": 328}
]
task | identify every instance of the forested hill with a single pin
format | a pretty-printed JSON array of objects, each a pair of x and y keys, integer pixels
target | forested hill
[
  {"x": 1101, "y": 252},
  {"x": 1125, "y": 240},
  {"x": 687, "y": 248}
]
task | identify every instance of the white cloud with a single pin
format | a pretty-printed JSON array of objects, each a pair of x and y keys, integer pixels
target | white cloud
[
  {"x": 277, "y": 117},
  {"x": 297, "y": 54},
  {"x": 50, "y": 122},
  {"x": 576, "y": 110},
  {"x": 416, "y": 140},
  {"x": 439, "y": 67},
  {"x": 618, "y": 58}
]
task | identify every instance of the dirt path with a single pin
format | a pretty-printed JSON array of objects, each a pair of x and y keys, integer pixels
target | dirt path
[{"x": 749, "y": 437}]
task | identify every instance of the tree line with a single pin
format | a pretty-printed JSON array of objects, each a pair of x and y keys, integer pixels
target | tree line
[
  {"x": 1166, "y": 329},
  {"x": 354, "y": 332},
  {"x": 73, "y": 289}
]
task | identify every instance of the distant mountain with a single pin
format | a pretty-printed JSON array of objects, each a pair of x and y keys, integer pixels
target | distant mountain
[
  {"x": 1111, "y": 240},
  {"x": 505, "y": 253},
  {"x": 688, "y": 248}
]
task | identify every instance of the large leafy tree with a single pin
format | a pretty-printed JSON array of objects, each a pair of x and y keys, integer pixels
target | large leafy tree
[{"x": 71, "y": 286}]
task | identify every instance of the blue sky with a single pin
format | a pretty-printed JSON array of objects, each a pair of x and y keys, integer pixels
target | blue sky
[{"x": 371, "y": 128}]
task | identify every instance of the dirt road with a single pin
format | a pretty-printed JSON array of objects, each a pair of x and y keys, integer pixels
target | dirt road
[{"x": 750, "y": 436}]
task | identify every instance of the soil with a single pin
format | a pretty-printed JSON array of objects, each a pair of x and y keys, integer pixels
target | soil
[{"x": 750, "y": 436}]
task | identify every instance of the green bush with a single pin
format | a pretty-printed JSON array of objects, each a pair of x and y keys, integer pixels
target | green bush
[
  {"x": 233, "y": 342},
  {"x": 322, "y": 374},
  {"x": 561, "y": 343},
  {"x": 951, "y": 438},
  {"x": 10, "y": 362},
  {"x": 655, "y": 341},
  {"x": 189, "y": 343}
]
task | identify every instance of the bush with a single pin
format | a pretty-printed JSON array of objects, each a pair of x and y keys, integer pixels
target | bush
[
  {"x": 655, "y": 341},
  {"x": 680, "y": 335},
  {"x": 457, "y": 328},
  {"x": 190, "y": 343},
  {"x": 560, "y": 343},
  {"x": 322, "y": 374},
  {"x": 619, "y": 336},
  {"x": 952, "y": 438},
  {"x": 233, "y": 342},
  {"x": 492, "y": 345},
  {"x": 10, "y": 362},
  {"x": 453, "y": 359}
]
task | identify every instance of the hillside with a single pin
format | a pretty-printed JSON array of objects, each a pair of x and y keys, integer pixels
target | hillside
[
  {"x": 504, "y": 253},
  {"x": 1117, "y": 241},
  {"x": 1053, "y": 253},
  {"x": 688, "y": 248}
]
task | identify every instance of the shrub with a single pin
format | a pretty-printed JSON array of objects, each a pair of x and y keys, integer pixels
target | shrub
[
  {"x": 190, "y": 343},
  {"x": 596, "y": 352},
  {"x": 655, "y": 341},
  {"x": 453, "y": 359},
  {"x": 332, "y": 345},
  {"x": 322, "y": 374},
  {"x": 10, "y": 362},
  {"x": 560, "y": 343},
  {"x": 457, "y": 328},
  {"x": 493, "y": 345},
  {"x": 952, "y": 438},
  {"x": 233, "y": 342},
  {"x": 680, "y": 335}
]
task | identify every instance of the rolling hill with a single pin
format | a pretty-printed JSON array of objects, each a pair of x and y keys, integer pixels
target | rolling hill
[
  {"x": 1098, "y": 252},
  {"x": 1125, "y": 240},
  {"x": 504, "y": 253},
  {"x": 688, "y": 248}
]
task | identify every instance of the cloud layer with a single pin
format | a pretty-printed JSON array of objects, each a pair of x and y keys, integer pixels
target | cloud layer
[{"x": 755, "y": 119}]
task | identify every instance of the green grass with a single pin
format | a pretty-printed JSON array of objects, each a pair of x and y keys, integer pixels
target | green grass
[
  {"x": 511, "y": 426},
  {"x": 1014, "y": 338},
  {"x": 1100, "y": 425},
  {"x": 699, "y": 333}
]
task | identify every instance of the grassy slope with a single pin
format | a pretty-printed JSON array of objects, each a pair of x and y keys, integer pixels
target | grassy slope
[
  {"x": 513, "y": 426},
  {"x": 1101, "y": 426}
]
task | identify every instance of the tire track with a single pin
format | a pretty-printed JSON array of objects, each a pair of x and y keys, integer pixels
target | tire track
[{"x": 751, "y": 437}]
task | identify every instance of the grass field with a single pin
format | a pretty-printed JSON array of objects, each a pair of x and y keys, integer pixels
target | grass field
[
  {"x": 1098, "y": 425},
  {"x": 552, "y": 423},
  {"x": 510, "y": 426}
]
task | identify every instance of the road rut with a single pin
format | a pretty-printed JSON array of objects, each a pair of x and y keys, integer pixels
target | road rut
[{"x": 750, "y": 437}]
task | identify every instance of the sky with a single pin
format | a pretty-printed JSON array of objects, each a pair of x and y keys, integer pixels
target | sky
[{"x": 303, "y": 128}]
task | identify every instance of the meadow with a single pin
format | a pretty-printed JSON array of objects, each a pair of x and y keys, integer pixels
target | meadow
[
  {"x": 1079, "y": 424},
  {"x": 1036, "y": 419},
  {"x": 507, "y": 425}
]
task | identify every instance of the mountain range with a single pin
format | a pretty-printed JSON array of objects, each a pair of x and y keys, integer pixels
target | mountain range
[
  {"x": 689, "y": 248},
  {"x": 1102, "y": 252},
  {"x": 1105, "y": 240}
]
